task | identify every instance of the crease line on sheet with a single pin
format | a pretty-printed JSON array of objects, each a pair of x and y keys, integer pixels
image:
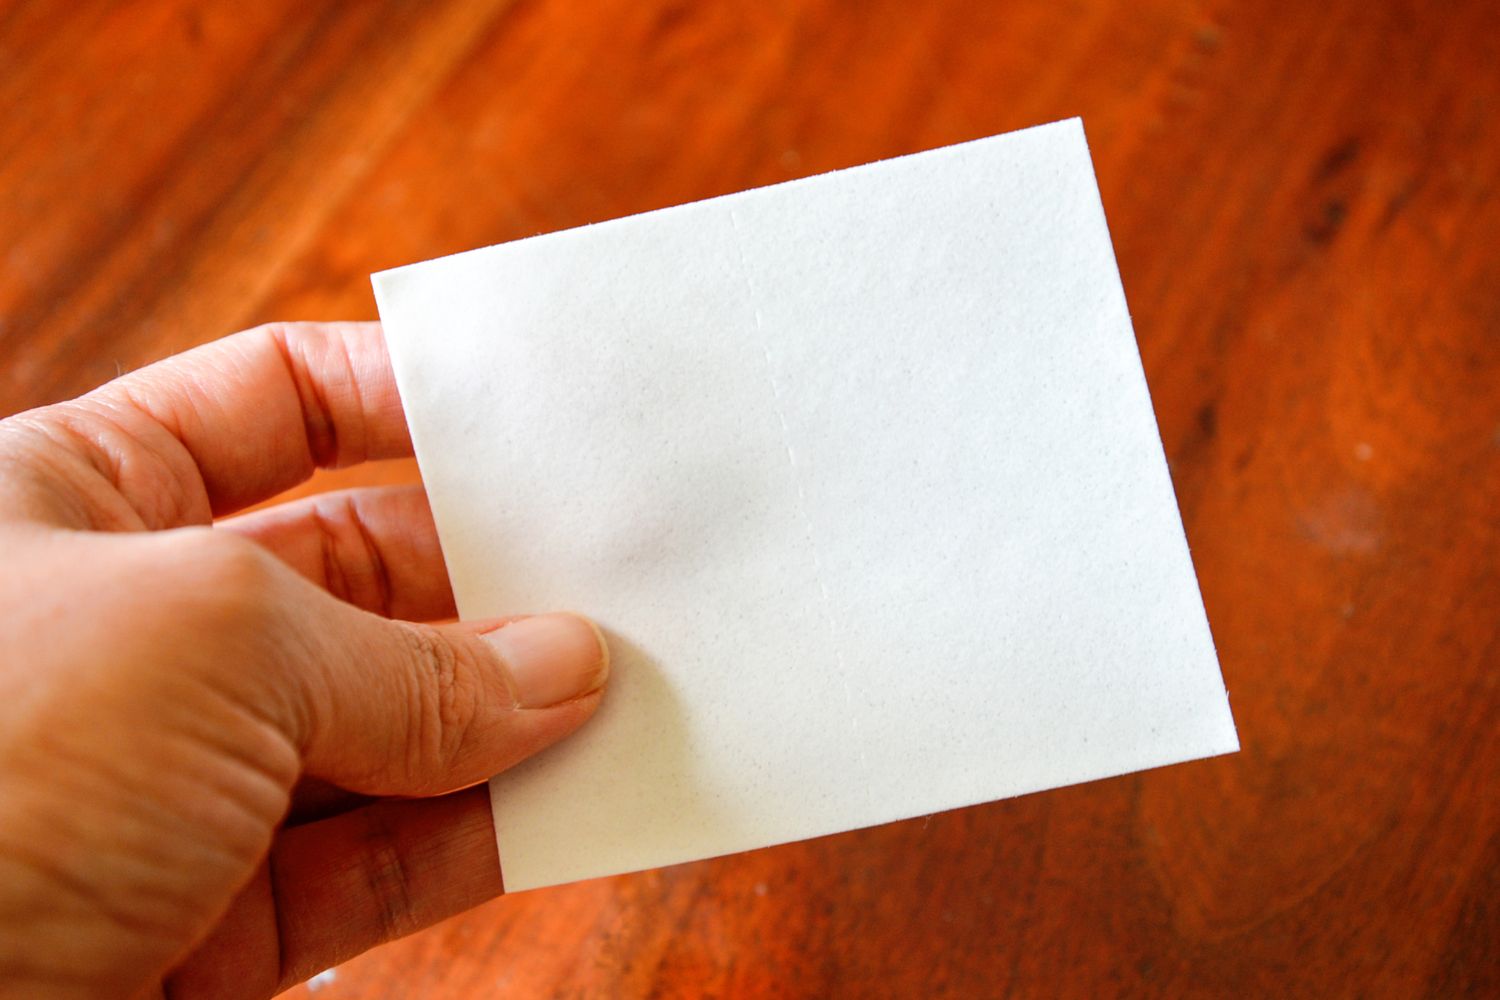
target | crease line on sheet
[{"x": 834, "y": 631}]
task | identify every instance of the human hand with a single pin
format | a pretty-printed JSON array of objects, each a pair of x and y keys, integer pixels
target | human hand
[{"x": 193, "y": 719}]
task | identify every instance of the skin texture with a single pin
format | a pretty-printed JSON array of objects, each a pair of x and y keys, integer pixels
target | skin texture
[{"x": 230, "y": 753}]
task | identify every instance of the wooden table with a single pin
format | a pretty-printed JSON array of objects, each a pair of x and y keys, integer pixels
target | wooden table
[{"x": 1304, "y": 202}]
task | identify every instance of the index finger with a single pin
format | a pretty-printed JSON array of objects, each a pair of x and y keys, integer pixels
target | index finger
[{"x": 258, "y": 411}]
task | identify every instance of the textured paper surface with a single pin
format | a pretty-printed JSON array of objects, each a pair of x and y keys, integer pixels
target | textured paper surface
[{"x": 861, "y": 476}]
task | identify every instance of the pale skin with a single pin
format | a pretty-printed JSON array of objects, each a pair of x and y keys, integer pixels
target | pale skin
[{"x": 234, "y": 750}]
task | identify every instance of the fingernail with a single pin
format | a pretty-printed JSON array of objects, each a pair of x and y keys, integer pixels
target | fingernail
[{"x": 552, "y": 658}]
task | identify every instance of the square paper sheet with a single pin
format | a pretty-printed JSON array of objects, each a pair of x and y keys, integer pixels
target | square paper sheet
[{"x": 861, "y": 476}]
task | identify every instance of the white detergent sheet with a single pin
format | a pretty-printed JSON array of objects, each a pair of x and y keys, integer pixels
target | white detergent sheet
[{"x": 860, "y": 475}]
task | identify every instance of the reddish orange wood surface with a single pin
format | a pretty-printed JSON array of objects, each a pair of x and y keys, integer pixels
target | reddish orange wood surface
[{"x": 1304, "y": 202}]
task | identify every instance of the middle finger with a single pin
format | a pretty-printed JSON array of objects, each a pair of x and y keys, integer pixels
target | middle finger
[{"x": 374, "y": 547}]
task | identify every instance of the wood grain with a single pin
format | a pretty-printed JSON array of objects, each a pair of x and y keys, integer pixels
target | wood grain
[{"x": 1304, "y": 203}]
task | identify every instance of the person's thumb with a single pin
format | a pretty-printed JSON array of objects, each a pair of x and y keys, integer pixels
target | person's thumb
[{"x": 394, "y": 708}]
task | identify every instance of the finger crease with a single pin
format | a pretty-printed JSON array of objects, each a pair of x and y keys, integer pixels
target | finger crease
[
  {"x": 319, "y": 428},
  {"x": 335, "y": 579},
  {"x": 379, "y": 570},
  {"x": 387, "y": 878}
]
